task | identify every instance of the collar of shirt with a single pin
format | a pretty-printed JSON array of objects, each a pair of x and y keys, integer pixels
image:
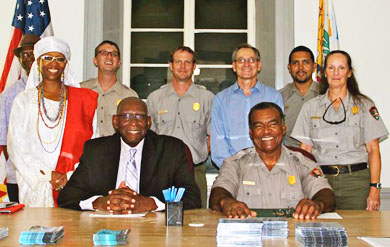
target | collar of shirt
[
  {"x": 258, "y": 87},
  {"x": 190, "y": 91},
  {"x": 125, "y": 156},
  {"x": 325, "y": 100},
  {"x": 281, "y": 164},
  {"x": 314, "y": 86},
  {"x": 116, "y": 87}
]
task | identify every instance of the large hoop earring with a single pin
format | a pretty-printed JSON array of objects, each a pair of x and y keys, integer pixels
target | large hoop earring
[{"x": 39, "y": 70}]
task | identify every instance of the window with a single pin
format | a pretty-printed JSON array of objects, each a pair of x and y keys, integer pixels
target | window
[{"x": 213, "y": 28}]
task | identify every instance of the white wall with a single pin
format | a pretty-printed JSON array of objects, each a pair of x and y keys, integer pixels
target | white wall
[
  {"x": 68, "y": 23},
  {"x": 363, "y": 30}
]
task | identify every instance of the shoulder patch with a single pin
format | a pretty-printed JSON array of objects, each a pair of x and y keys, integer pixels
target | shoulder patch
[
  {"x": 374, "y": 112},
  {"x": 316, "y": 172}
]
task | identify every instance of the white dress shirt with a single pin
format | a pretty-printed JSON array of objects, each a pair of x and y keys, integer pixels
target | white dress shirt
[{"x": 123, "y": 158}]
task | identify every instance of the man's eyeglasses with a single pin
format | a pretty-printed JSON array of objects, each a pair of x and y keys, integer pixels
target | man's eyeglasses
[
  {"x": 250, "y": 60},
  {"x": 105, "y": 53},
  {"x": 129, "y": 116},
  {"x": 48, "y": 58},
  {"x": 27, "y": 54},
  {"x": 335, "y": 122}
]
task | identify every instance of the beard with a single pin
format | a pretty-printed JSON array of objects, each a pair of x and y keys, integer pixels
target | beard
[{"x": 301, "y": 80}]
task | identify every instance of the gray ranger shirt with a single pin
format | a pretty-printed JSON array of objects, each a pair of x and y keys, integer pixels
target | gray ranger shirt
[
  {"x": 293, "y": 102},
  {"x": 186, "y": 118},
  {"x": 247, "y": 178},
  {"x": 107, "y": 103}
]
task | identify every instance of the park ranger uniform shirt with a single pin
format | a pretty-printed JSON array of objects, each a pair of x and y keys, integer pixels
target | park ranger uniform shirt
[
  {"x": 343, "y": 143},
  {"x": 293, "y": 102},
  {"x": 293, "y": 178},
  {"x": 186, "y": 118},
  {"x": 107, "y": 103}
]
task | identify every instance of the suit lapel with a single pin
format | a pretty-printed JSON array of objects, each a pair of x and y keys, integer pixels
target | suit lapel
[
  {"x": 148, "y": 162},
  {"x": 113, "y": 159}
]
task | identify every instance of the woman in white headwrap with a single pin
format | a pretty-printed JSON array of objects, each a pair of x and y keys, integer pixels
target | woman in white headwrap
[{"x": 49, "y": 123}]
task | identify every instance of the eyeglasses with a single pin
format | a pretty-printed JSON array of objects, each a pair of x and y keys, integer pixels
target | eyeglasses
[
  {"x": 250, "y": 60},
  {"x": 48, "y": 58},
  {"x": 129, "y": 116},
  {"x": 335, "y": 122},
  {"x": 112, "y": 53},
  {"x": 27, "y": 54}
]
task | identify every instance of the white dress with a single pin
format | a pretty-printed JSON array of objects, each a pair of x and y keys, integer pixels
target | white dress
[{"x": 35, "y": 159}]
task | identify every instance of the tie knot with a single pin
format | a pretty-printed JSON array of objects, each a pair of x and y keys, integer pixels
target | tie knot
[{"x": 132, "y": 152}]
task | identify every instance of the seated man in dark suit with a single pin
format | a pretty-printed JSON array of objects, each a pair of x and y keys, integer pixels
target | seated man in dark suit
[{"x": 126, "y": 172}]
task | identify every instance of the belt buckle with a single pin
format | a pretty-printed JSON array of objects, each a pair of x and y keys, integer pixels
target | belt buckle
[{"x": 338, "y": 171}]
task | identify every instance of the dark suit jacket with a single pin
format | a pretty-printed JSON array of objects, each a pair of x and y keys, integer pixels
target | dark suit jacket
[{"x": 163, "y": 165}]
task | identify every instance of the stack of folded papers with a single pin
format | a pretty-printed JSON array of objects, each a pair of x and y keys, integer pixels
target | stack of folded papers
[
  {"x": 275, "y": 228},
  {"x": 3, "y": 232},
  {"x": 242, "y": 232},
  {"x": 321, "y": 234},
  {"x": 41, "y": 235},
  {"x": 110, "y": 237}
]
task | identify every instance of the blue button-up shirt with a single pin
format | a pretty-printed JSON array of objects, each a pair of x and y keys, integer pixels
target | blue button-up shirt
[
  {"x": 6, "y": 101},
  {"x": 229, "y": 118}
]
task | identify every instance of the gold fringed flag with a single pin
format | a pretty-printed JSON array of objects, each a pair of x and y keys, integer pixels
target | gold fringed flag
[{"x": 328, "y": 38}]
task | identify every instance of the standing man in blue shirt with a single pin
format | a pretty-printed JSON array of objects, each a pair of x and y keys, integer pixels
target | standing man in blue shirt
[
  {"x": 229, "y": 119},
  {"x": 25, "y": 54}
]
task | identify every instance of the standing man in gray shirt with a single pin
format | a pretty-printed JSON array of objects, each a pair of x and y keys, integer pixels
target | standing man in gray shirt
[
  {"x": 301, "y": 67},
  {"x": 183, "y": 109},
  {"x": 108, "y": 60}
]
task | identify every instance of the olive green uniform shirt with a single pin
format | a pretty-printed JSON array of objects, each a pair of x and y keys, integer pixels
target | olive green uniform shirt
[
  {"x": 343, "y": 143},
  {"x": 107, "y": 103},
  {"x": 187, "y": 117},
  {"x": 247, "y": 178},
  {"x": 293, "y": 102}
]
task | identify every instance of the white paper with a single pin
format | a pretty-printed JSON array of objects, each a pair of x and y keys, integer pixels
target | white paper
[
  {"x": 108, "y": 215},
  {"x": 376, "y": 242},
  {"x": 330, "y": 216}
]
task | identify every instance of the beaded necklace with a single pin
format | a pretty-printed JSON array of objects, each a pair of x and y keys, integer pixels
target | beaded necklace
[
  {"x": 61, "y": 109},
  {"x": 59, "y": 117}
]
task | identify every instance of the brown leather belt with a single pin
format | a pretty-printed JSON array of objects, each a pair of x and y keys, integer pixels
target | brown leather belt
[{"x": 340, "y": 169}]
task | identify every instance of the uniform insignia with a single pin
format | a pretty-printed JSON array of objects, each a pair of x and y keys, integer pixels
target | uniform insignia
[
  {"x": 374, "y": 112},
  {"x": 315, "y": 117},
  {"x": 355, "y": 109},
  {"x": 249, "y": 182},
  {"x": 162, "y": 111},
  {"x": 316, "y": 172},
  {"x": 291, "y": 180},
  {"x": 286, "y": 107},
  {"x": 118, "y": 101},
  {"x": 196, "y": 106}
]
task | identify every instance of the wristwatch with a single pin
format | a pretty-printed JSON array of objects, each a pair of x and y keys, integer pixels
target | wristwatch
[{"x": 376, "y": 185}]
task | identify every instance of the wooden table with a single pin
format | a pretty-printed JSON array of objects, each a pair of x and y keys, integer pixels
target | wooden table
[{"x": 151, "y": 230}]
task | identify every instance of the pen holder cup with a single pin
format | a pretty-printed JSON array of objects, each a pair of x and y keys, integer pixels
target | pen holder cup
[{"x": 174, "y": 213}]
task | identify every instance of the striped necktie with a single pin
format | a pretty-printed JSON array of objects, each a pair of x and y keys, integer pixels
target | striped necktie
[{"x": 131, "y": 171}]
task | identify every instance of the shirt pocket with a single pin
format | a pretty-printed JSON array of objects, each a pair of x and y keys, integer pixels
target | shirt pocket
[
  {"x": 251, "y": 195},
  {"x": 292, "y": 195},
  {"x": 165, "y": 119}
]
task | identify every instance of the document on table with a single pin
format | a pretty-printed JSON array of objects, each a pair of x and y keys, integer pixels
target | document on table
[
  {"x": 108, "y": 215},
  {"x": 376, "y": 242},
  {"x": 333, "y": 215}
]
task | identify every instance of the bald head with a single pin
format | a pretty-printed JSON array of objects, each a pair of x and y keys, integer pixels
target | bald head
[{"x": 131, "y": 100}]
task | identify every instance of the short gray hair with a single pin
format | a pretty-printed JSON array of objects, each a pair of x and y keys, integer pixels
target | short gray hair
[{"x": 245, "y": 45}]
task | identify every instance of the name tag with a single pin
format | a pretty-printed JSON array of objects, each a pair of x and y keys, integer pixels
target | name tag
[
  {"x": 315, "y": 117},
  {"x": 249, "y": 182},
  {"x": 162, "y": 111}
]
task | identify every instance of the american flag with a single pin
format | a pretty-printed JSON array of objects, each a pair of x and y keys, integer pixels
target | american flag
[{"x": 31, "y": 17}]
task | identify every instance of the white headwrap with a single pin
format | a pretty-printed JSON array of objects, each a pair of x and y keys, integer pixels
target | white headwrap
[{"x": 45, "y": 45}]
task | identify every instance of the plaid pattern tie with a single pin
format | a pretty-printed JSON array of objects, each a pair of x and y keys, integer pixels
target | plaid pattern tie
[{"x": 131, "y": 172}]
